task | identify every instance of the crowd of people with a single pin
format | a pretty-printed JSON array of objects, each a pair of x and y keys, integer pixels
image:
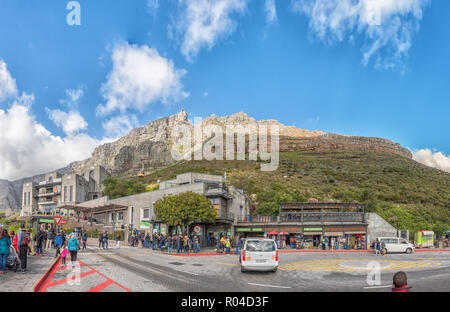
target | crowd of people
[{"x": 25, "y": 244}]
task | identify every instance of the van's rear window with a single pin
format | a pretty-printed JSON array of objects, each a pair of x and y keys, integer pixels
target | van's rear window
[{"x": 260, "y": 246}]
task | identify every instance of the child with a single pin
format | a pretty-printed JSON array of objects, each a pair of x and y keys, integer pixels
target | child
[
  {"x": 64, "y": 252},
  {"x": 400, "y": 282}
]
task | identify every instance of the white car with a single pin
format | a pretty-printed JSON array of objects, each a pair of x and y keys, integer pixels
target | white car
[
  {"x": 395, "y": 244},
  {"x": 259, "y": 254}
]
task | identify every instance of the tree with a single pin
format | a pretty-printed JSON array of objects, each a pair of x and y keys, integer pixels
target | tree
[
  {"x": 185, "y": 209},
  {"x": 116, "y": 188}
]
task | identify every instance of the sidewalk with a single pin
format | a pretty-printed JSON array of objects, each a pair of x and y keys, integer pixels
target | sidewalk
[{"x": 37, "y": 266}]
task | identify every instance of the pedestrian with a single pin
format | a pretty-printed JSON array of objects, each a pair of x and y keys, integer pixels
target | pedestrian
[
  {"x": 64, "y": 252},
  {"x": 39, "y": 239},
  {"x": 400, "y": 282},
  {"x": 228, "y": 245},
  {"x": 105, "y": 240},
  {"x": 142, "y": 240},
  {"x": 50, "y": 238},
  {"x": 238, "y": 246},
  {"x": 100, "y": 240},
  {"x": 292, "y": 242},
  {"x": 147, "y": 240},
  {"x": 73, "y": 245},
  {"x": 23, "y": 240},
  {"x": 84, "y": 240},
  {"x": 118, "y": 237},
  {"x": 196, "y": 244},
  {"x": 13, "y": 237},
  {"x": 58, "y": 243},
  {"x": 178, "y": 240},
  {"x": 383, "y": 248},
  {"x": 44, "y": 239},
  {"x": 5, "y": 242}
]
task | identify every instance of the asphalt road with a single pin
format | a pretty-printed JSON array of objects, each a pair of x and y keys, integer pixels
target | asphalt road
[{"x": 137, "y": 269}]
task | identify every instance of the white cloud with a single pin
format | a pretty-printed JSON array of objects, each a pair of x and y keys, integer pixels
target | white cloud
[
  {"x": 203, "y": 22},
  {"x": 140, "y": 76},
  {"x": 73, "y": 96},
  {"x": 118, "y": 126},
  {"x": 70, "y": 122},
  {"x": 436, "y": 160},
  {"x": 387, "y": 25},
  {"x": 27, "y": 148},
  {"x": 8, "y": 88},
  {"x": 271, "y": 11}
]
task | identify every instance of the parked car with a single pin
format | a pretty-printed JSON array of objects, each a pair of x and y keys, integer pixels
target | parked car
[
  {"x": 395, "y": 244},
  {"x": 259, "y": 254}
]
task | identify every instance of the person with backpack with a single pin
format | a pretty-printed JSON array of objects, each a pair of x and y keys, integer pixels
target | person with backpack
[
  {"x": 73, "y": 245},
  {"x": 23, "y": 239},
  {"x": 5, "y": 242},
  {"x": 58, "y": 243},
  {"x": 50, "y": 238}
]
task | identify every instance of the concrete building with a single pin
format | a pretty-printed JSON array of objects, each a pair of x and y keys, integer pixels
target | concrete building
[
  {"x": 46, "y": 197},
  {"x": 137, "y": 211}
]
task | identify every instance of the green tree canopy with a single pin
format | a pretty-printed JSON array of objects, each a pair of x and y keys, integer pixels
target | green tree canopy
[
  {"x": 116, "y": 188},
  {"x": 184, "y": 209}
]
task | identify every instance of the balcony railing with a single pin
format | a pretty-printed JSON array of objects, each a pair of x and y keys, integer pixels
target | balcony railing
[
  {"x": 225, "y": 216},
  {"x": 257, "y": 219},
  {"x": 322, "y": 217},
  {"x": 306, "y": 217}
]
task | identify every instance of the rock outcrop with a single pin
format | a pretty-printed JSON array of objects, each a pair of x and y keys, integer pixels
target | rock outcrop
[{"x": 150, "y": 146}]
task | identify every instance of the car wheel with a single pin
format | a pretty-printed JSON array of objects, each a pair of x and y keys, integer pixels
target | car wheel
[
  {"x": 409, "y": 250},
  {"x": 242, "y": 269},
  {"x": 274, "y": 270}
]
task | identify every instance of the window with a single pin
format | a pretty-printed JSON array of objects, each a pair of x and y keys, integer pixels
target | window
[
  {"x": 71, "y": 193},
  {"x": 29, "y": 198},
  {"x": 50, "y": 180},
  {"x": 120, "y": 216},
  {"x": 146, "y": 213},
  {"x": 65, "y": 193},
  {"x": 91, "y": 174}
]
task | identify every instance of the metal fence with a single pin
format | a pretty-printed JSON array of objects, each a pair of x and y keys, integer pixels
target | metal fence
[{"x": 306, "y": 217}]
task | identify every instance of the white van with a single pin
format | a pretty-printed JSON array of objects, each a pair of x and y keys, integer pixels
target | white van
[
  {"x": 259, "y": 254},
  {"x": 396, "y": 244}
]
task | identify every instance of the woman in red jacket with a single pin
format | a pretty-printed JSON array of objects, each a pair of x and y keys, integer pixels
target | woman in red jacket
[{"x": 14, "y": 240}]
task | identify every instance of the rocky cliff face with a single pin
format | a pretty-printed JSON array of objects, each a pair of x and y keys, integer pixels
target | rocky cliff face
[{"x": 151, "y": 145}]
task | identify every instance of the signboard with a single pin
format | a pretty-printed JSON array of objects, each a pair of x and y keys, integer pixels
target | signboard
[
  {"x": 197, "y": 229},
  {"x": 257, "y": 230},
  {"x": 57, "y": 220},
  {"x": 163, "y": 230},
  {"x": 317, "y": 229},
  {"x": 145, "y": 225},
  {"x": 243, "y": 230},
  {"x": 46, "y": 221}
]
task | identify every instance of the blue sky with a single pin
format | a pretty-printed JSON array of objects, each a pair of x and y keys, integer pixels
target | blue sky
[{"x": 270, "y": 59}]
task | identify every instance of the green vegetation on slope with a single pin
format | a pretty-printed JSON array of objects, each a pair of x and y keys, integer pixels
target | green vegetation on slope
[
  {"x": 115, "y": 187},
  {"x": 407, "y": 194}
]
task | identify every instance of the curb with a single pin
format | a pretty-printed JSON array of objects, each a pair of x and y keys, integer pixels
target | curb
[{"x": 37, "y": 287}]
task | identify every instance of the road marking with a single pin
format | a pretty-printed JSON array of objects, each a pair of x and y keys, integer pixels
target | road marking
[
  {"x": 383, "y": 286},
  {"x": 185, "y": 272},
  {"x": 268, "y": 285},
  {"x": 224, "y": 263}
]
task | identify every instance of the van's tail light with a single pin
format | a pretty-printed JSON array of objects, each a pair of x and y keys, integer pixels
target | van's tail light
[
  {"x": 276, "y": 256},
  {"x": 243, "y": 255}
]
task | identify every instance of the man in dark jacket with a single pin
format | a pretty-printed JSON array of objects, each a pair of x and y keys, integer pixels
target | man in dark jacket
[{"x": 100, "y": 240}]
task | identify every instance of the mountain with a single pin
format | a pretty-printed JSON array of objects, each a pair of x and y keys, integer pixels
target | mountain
[{"x": 150, "y": 146}]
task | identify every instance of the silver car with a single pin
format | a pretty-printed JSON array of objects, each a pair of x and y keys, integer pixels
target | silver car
[{"x": 259, "y": 254}]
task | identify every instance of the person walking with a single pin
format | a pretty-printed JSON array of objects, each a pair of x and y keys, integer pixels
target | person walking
[
  {"x": 105, "y": 240},
  {"x": 377, "y": 247},
  {"x": 84, "y": 240},
  {"x": 39, "y": 238},
  {"x": 58, "y": 243},
  {"x": 23, "y": 240},
  {"x": 73, "y": 245},
  {"x": 5, "y": 242},
  {"x": 147, "y": 240},
  {"x": 118, "y": 240},
  {"x": 100, "y": 240},
  {"x": 50, "y": 238},
  {"x": 178, "y": 240}
]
